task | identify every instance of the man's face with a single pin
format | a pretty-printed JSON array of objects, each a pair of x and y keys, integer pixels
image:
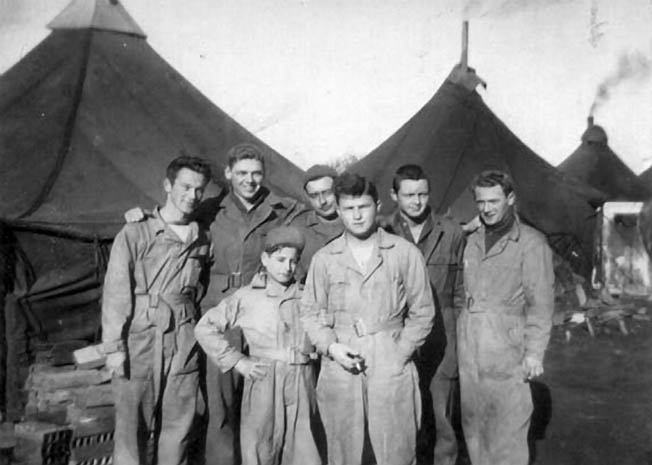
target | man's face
[
  {"x": 492, "y": 203},
  {"x": 281, "y": 264},
  {"x": 321, "y": 197},
  {"x": 245, "y": 177},
  {"x": 412, "y": 197},
  {"x": 186, "y": 191},
  {"x": 358, "y": 215}
]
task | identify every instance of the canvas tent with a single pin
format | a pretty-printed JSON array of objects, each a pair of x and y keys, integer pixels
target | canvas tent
[
  {"x": 646, "y": 178},
  {"x": 89, "y": 119},
  {"x": 594, "y": 163},
  {"x": 454, "y": 137}
]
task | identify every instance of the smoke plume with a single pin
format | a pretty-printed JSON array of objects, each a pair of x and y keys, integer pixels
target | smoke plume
[{"x": 634, "y": 66}]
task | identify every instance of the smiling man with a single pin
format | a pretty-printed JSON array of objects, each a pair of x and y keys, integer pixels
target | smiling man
[
  {"x": 505, "y": 326},
  {"x": 367, "y": 306},
  {"x": 155, "y": 278},
  {"x": 441, "y": 241},
  {"x": 239, "y": 223}
]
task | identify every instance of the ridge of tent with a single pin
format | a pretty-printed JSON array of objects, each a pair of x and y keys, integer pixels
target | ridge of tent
[{"x": 104, "y": 15}]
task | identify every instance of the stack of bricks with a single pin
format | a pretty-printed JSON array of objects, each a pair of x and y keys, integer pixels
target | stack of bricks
[{"x": 77, "y": 397}]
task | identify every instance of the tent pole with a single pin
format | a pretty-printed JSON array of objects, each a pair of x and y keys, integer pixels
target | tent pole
[{"x": 465, "y": 45}]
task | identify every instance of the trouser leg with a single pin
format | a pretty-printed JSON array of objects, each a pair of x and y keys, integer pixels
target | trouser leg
[
  {"x": 133, "y": 413},
  {"x": 178, "y": 409},
  {"x": 394, "y": 416},
  {"x": 441, "y": 390},
  {"x": 299, "y": 446},
  {"x": 340, "y": 400},
  {"x": 223, "y": 416}
]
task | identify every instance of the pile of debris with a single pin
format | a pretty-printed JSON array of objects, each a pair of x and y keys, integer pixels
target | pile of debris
[
  {"x": 601, "y": 313},
  {"x": 69, "y": 414}
]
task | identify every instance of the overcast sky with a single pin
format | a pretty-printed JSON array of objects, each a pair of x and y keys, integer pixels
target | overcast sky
[{"x": 320, "y": 79}]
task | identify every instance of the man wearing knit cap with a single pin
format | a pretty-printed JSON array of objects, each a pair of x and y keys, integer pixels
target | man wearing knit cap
[
  {"x": 321, "y": 223},
  {"x": 278, "y": 397}
]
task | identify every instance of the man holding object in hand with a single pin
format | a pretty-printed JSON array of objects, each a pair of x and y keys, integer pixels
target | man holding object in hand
[{"x": 367, "y": 306}]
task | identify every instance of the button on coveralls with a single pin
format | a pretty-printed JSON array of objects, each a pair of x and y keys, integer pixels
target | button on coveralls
[
  {"x": 509, "y": 295},
  {"x": 392, "y": 307},
  {"x": 149, "y": 303},
  {"x": 277, "y": 410}
]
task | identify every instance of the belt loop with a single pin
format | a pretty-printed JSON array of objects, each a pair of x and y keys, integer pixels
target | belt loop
[
  {"x": 153, "y": 300},
  {"x": 235, "y": 280},
  {"x": 360, "y": 328}
]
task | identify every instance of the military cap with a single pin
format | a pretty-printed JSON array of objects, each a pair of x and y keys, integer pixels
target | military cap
[
  {"x": 317, "y": 172},
  {"x": 284, "y": 236}
]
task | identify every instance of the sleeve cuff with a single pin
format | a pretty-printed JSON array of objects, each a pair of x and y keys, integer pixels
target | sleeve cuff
[
  {"x": 229, "y": 360},
  {"x": 110, "y": 347}
]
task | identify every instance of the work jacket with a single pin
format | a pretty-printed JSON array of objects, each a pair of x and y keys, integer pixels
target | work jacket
[
  {"x": 153, "y": 284},
  {"x": 441, "y": 243},
  {"x": 383, "y": 313},
  {"x": 238, "y": 236},
  {"x": 509, "y": 297},
  {"x": 269, "y": 320}
]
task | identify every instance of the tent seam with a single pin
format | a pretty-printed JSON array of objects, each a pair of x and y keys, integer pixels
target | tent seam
[{"x": 68, "y": 133}]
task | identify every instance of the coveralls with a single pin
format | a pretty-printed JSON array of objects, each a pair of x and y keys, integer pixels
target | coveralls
[
  {"x": 385, "y": 312},
  {"x": 149, "y": 308},
  {"x": 317, "y": 234},
  {"x": 508, "y": 316},
  {"x": 238, "y": 236},
  {"x": 442, "y": 244},
  {"x": 277, "y": 410}
]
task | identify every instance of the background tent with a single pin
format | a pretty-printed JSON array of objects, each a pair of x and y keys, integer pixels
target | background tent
[
  {"x": 595, "y": 164},
  {"x": 89, "y": 119},
  {"x": 454, "y": 137},
  {"x": 646, "y": 178}
]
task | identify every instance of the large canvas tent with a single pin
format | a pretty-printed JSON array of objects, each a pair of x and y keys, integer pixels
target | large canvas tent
[
  {"x": 89, "y": 119},
  {"x": 454, "y": 137},
  {"x": 595, "y": 164},
  {"x": 646, "y": 178}
]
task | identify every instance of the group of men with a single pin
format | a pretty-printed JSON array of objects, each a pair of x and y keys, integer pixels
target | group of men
[{"x": 390, "y": 304}]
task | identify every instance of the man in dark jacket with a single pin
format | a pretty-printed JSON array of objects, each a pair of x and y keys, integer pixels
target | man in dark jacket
[
  {"x": 441, "y": 241},
  {"x": 321, "y": 223}
]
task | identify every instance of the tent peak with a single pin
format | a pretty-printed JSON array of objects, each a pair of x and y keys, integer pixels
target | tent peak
[{"x": 104, "y": 15}]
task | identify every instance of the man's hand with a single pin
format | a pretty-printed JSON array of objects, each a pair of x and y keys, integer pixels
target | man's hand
[
  {"x": 115, "y": 363},
  {"x": 532, "y": 368},
  {"x": 136, "y": 215},
  {"x": 348, "y": 358},
  {"x": 251, "y": 369}
]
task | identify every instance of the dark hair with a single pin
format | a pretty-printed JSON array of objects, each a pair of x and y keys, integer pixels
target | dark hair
[
  {"x": 411, "y": 172},
  {"x": 196, "y": 164},
  {"x": 491, "y": 178},
  {"x": 353, "y": 185},
  {"x": 244, "y": 151}
]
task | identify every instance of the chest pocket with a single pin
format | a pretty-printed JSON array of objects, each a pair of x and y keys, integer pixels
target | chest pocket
[{"x": 337, "y": 294}]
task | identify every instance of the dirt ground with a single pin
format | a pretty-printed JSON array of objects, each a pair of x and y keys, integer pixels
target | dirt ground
[{"x": 594, "y": 403}]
